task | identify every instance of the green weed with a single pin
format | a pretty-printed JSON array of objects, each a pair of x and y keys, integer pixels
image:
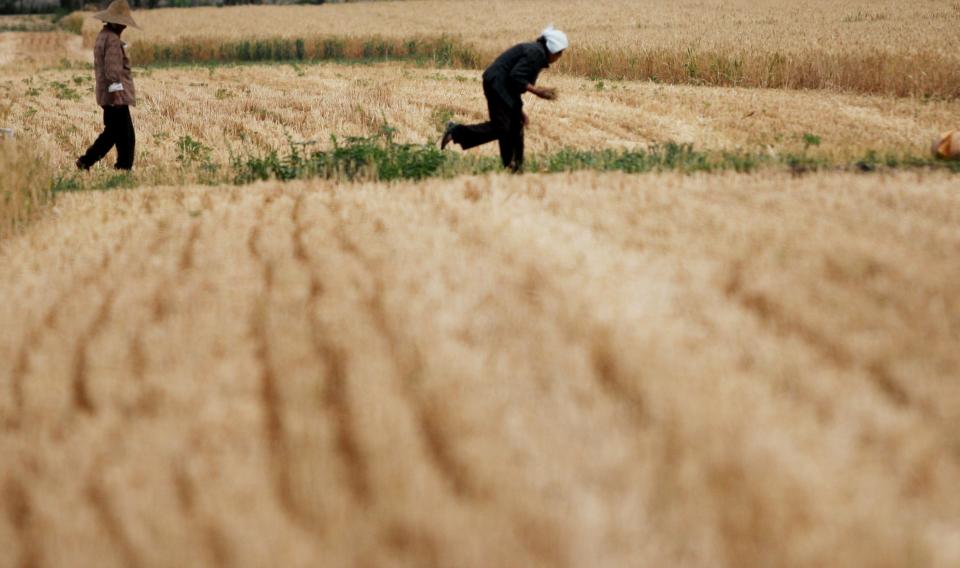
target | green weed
[
  {"x": 440, "y": 116},
  {"x": 64, "y": 92},
  {"x": 380, "y": 157},
  {"x": 376, "y": 157},
  {"x": 193, "y": 155},
  {"x": 810, "y": 140}
]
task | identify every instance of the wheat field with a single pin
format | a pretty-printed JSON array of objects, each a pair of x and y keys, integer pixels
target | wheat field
[
  {"x": 579, "y": 369},
  {"x": 889, "y": 47},
  {"x": 762, "y": 25},
  {"x": 706, "y": 371}
]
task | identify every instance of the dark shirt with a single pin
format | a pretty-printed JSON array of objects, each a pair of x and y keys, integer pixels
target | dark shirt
[{"x": 516, "y": 68}]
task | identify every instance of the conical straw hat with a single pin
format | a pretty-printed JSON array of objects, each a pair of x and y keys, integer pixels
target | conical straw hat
[{"x": 118, "y": 12}]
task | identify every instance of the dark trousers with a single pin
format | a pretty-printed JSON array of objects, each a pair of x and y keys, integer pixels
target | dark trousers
[
  {"x": 117, "y": 131},
  {"x": 505, "y": 125}
]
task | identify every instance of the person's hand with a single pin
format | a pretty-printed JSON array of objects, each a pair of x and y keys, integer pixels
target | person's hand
[
  {"x": 543, "y": 92},
  {"x": 547, "y": 93},
  {"x": 525, "y": 119}
]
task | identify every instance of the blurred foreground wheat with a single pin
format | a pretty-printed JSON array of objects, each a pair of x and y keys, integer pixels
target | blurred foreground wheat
[{"x": 562, "y": 370}]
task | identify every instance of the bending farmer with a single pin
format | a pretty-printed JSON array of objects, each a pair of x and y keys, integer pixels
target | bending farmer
[
  {"x": 115, "y": 91},
  {"x": 514, "y": 73}
]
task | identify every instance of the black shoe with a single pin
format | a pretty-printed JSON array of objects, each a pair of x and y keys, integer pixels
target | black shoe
[
  {"x": 447, "y": 136},
  {"x": 81, "y": 166}
]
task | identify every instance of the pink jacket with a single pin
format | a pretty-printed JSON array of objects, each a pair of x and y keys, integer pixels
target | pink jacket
[{"x": 112, "y": 67}]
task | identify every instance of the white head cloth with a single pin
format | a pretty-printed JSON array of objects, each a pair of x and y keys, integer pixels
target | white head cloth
[{"x": 556, "y": 40}]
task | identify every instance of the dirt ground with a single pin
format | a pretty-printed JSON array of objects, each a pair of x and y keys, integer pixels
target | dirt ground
[{"x": 559, "y": 371}]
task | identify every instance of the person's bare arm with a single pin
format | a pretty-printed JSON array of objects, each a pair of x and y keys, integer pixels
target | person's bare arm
[{"x": 546, "y": 93}]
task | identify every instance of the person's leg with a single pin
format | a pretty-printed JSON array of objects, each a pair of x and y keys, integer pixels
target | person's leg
[
  {"x": 126, "y": 139},
  {"x": 511, "y": 142},
  {"x": 507, "y": 149},
  {"x": 473, "y": 135},
  {"x": 103, "y": 143},
  {"x": 518, "y": 134}
]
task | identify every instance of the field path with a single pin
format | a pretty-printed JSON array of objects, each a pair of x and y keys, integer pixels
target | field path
[{"x": 557, "y": 371}]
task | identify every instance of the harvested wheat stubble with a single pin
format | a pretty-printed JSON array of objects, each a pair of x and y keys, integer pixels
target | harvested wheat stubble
[
  {"x": 562, "y": 370},
  {"x": 260, "y": 106}
]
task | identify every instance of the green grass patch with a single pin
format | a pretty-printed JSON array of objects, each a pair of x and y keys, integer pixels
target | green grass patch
[
  {"x": 66, "y": 184},
  {"x": 376, "y": 157},
  {"x": 380, "y": 157},
  {"x": 64, "y": 92},
  {"x": 98, "y": 179}
]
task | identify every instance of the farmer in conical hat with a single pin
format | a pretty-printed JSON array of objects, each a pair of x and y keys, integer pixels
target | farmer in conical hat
[
  {"x": 115, "y": 90},
  {"x": 511, "y": 75}
]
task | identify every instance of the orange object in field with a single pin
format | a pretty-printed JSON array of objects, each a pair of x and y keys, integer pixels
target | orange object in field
[{"x": 947, "y": 145}]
